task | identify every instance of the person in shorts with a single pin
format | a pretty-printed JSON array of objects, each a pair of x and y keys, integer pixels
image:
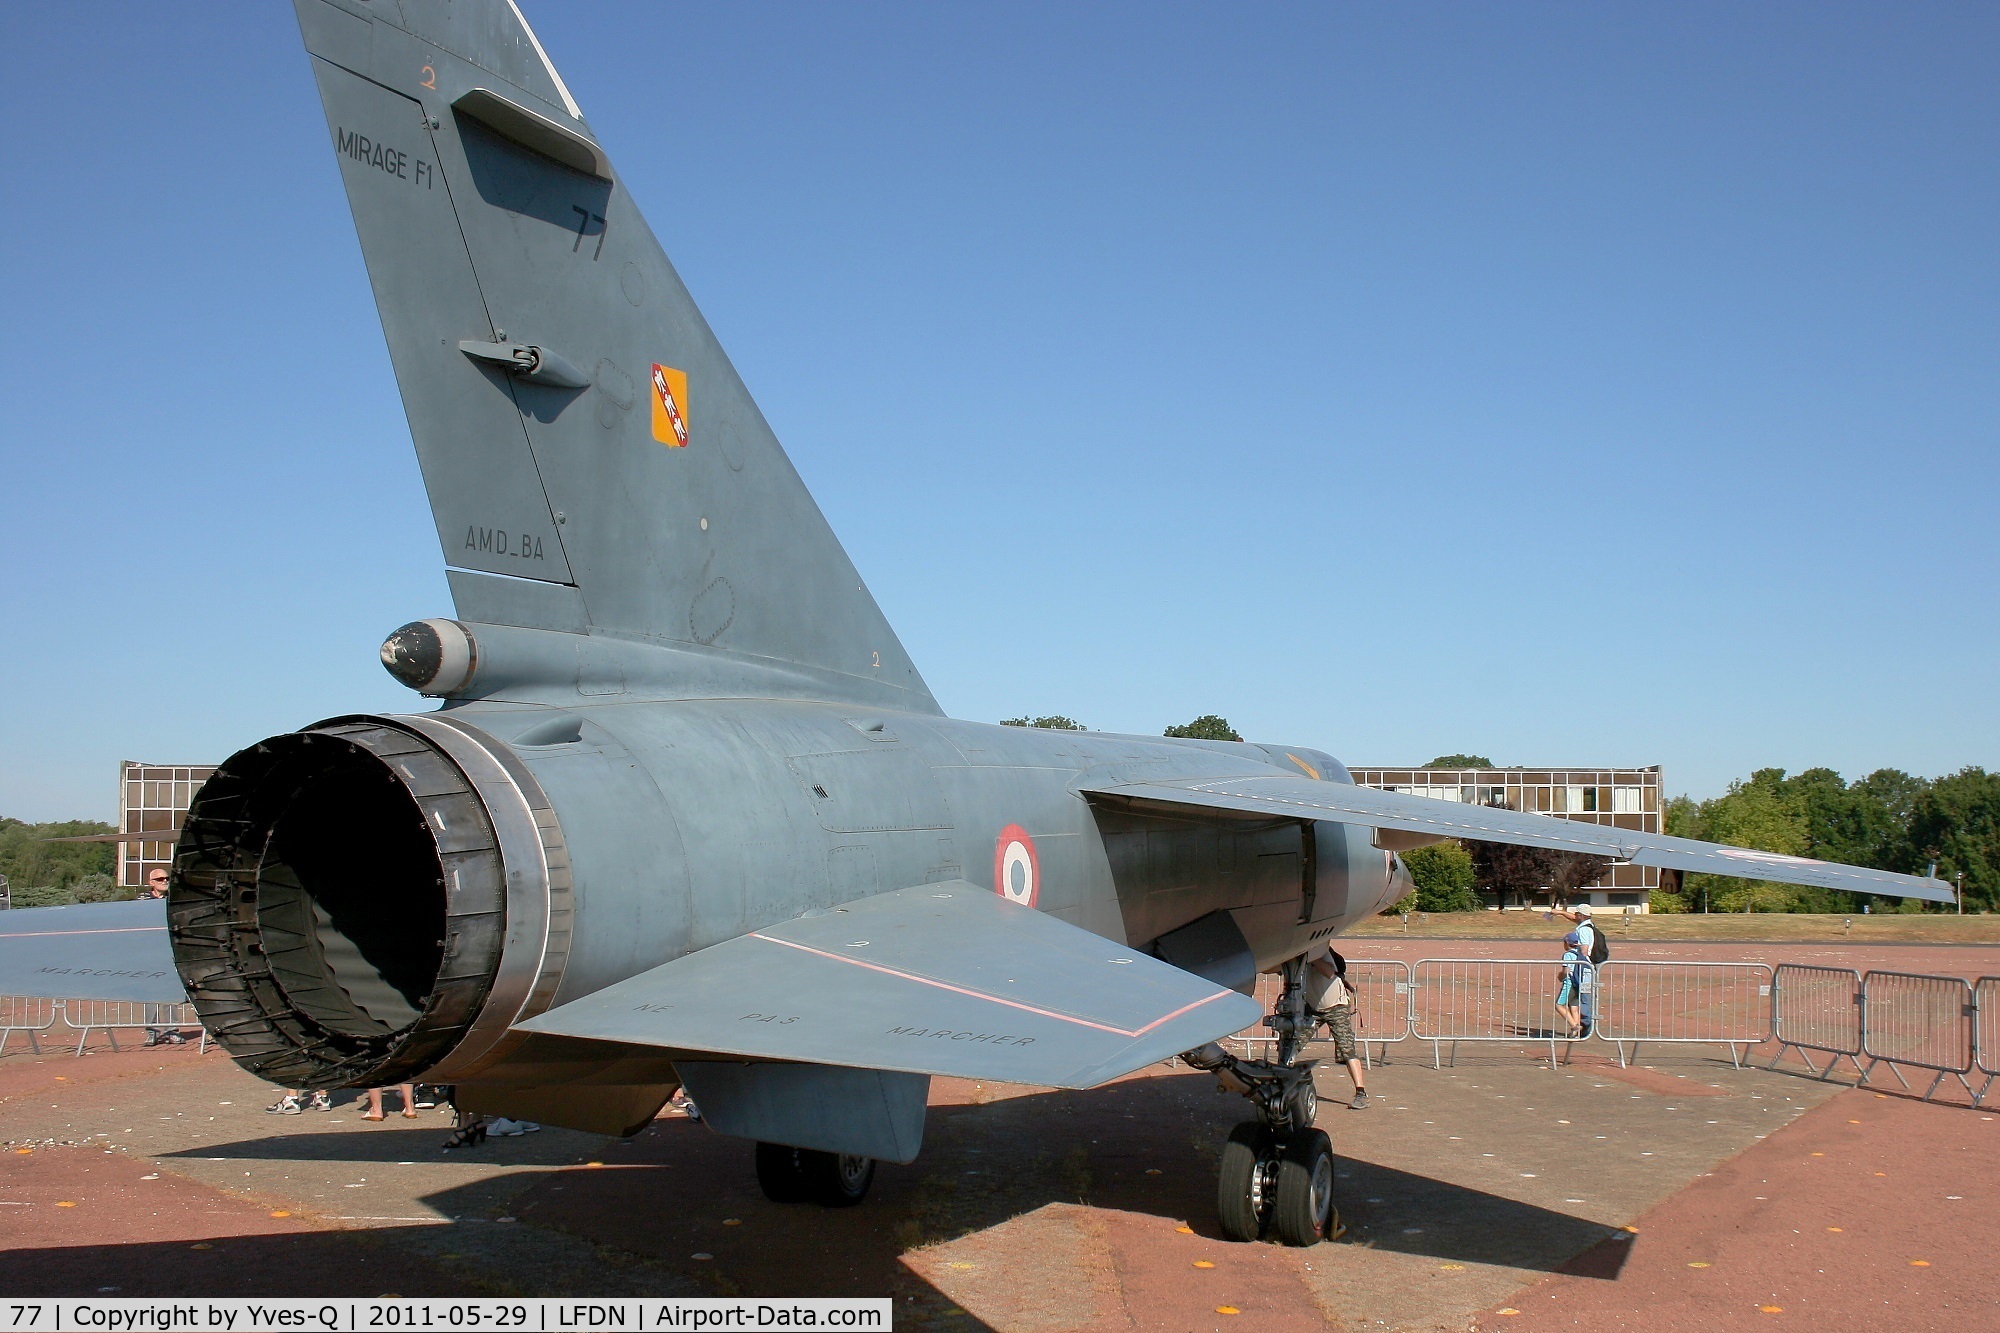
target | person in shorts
[
  {"x": 1569, "y": 984},
  {"x": 1332, "y": 1003},
  {"x": 374, "y": 1111}
]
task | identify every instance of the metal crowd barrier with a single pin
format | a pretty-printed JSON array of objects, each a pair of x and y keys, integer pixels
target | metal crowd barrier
[
  {"x": 1986, "y": 1032},
  {"x": 114, "y": 1016},
  {"x": 30, "y": 1014},
  {"x": 1939, "y": 1023},
  {"x": 1381, "y": 989},
  {"x": 1721, "y": 1004},
  {"x": 1817, "y": 1009},
  {"x": 1455, "y": 1000},
  {"x": 1925, "y": 1022}
]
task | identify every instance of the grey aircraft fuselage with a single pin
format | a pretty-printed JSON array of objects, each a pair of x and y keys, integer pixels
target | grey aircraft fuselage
[{"x": 692, "y": 822}]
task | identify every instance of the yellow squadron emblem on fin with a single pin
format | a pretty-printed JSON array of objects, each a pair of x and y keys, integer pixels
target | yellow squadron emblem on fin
[{"x": 670, "y": 396}]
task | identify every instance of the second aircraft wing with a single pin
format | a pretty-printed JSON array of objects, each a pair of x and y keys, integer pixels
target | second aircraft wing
[
  {"x": 90, "y": 951},
  {"x": 1343, "y": 803}
]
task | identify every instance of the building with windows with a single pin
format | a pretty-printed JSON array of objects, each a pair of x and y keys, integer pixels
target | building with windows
[
  {"x": 1617, "y": 797},
  {"x": 153, "y": 797}
]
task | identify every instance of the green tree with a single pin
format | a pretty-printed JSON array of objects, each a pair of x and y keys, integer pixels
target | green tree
[
  {"x": 1664, "y": 900},
  {"x": 1813, "y": 813},
  {"x": 1207, "y": 727},
  {"x": 1896, "y": 790},
  {"x": 1443, "y": 875},
  {"x": 96, "y": 889},
  {"x": 1460, "y": 761},
  {"x": 1863, "y": 824},
  {"x": 32, "y": 863},
  {"x": 1054, "y": 722},
  {"x": 1956, "y": 821},
  {"x": 43, "y": 895},
  {"x": 1760, "y": 814}
]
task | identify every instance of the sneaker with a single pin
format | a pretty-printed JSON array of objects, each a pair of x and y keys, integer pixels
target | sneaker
[
  {"x": 1360, "y": 1102},
  {"x": 503, "y": 1128},
  {"x": 285, "y": 1105},
  {"x": 320, "y": 1101}
]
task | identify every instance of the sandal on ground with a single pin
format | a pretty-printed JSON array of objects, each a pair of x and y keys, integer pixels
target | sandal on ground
[
  {"x": 469, "y": 1137},
  {"x": 371, "y": 1115}
]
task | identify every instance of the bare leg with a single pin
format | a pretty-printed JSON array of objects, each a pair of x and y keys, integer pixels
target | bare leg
[
  {"x": 409, "y": 1092},
  {"x": 374, "y": 1111},
  {"x": 1354, "y": 1072}
]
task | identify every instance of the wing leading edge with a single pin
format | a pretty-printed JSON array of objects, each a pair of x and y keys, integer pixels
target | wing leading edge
[
  {"x": 1302, "y": 798},
  {"x": 939, "y": 979}
]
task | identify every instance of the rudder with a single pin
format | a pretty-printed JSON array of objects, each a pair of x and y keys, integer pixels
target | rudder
[{"x": 578, "y": 425}]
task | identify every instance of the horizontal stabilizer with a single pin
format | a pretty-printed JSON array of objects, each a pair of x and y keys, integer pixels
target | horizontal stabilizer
[
  {"x": 1342, "y": 803},
  {"x": 939, "y": 979},
  {"x": 90, "y": 951}
]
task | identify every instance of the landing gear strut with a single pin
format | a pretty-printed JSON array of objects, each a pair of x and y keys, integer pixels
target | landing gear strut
[
  {"x": 1277, "y": 1170},
  {"x": 802, "y": 1175}
]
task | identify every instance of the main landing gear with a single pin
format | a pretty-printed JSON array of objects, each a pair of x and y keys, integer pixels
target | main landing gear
[
  {"x": 806, "y": 1175},
  {"x": 1277, "y": 1170}
]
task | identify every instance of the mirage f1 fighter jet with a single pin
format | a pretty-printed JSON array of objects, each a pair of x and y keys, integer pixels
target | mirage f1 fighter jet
[{"x": 687, "y": 814}]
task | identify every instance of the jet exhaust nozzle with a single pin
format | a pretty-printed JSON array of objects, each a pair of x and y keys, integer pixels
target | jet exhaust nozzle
[{"x": 370, "y": 900}]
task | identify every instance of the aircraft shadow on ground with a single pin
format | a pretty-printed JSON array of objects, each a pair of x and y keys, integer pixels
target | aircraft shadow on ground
[
  {"x": 1144, "y": 1146},
  {"x": 311, "y": 1263},
  {"x": 417, "y": 1143}
]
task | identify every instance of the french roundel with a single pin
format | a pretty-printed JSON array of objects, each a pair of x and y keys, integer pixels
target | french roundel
[{"x": 1017, "y": 871}]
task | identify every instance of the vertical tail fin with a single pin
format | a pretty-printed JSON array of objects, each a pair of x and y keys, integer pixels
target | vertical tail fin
[{"x": 594, "y": 462}]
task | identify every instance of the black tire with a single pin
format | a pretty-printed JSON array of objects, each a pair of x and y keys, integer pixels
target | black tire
[
  {"x": 1303, "y": 1212},
  {"x": 837, "y": 1180},
  {"x": 781, "y": 1173},
  {"x": 1242, "y": 1197}
]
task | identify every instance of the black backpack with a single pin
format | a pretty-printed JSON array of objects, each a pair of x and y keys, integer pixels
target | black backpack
[{"x": 1600, "y": 948}]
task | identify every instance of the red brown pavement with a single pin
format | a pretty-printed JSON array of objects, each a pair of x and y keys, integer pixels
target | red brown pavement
[
  {"x": 92, "y": 1219},
  {"x": 996, "y": 1241},
  {"x": 98, "y": 1220},
  {"x": 1037, "y": 1210},
  {"x": 1869, "y": 1211}
]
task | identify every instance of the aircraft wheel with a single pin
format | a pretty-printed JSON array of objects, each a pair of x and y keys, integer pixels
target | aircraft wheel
[
  {"x": 1303, "y": 1105},
  {"x": 1247, "y": 1187},
  {"x": 781, "y": 1172},
  {"x": 1302, "y": 1213},
  {"x": 838, "y": 1180}
]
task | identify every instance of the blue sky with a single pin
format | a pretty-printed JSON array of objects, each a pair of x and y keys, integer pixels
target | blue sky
[{"x": 1593, "y": 383}]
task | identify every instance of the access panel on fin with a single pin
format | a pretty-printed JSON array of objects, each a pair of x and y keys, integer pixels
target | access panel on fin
[{"x": 485, "y": 491}]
